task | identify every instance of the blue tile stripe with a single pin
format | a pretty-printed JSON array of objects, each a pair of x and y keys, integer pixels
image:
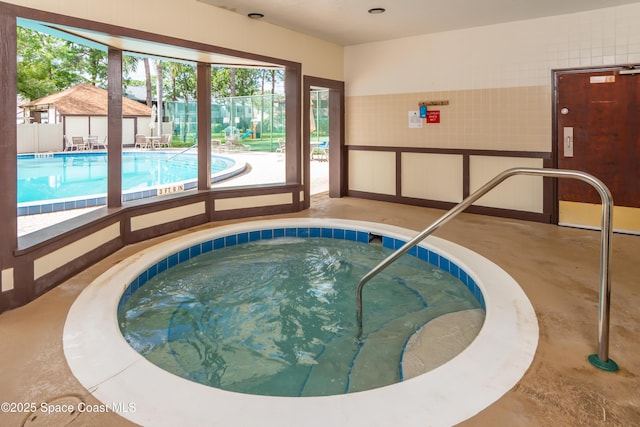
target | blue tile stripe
[{"x": 424, "y": 254}]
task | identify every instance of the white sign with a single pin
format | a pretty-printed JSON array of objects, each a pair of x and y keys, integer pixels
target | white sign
[
  {"x": 170, "y": 189},
  {"x": 415, "y": 122},
  {"x": 602, "y": 79}
]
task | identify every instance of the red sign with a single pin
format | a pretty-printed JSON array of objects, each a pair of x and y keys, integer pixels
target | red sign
[{"x": 433, "y": 116}]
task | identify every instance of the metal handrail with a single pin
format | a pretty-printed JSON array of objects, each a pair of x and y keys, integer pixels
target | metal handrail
[
  {"x": 601, "y": 360},
  {"x": 183, "y": 151}
]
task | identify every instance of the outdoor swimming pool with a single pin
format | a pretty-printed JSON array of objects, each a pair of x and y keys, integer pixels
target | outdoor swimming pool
[{"x": 61, "y": 181}]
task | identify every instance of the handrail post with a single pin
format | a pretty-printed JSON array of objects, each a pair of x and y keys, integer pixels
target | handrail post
[{"x": 600, "y": 360}]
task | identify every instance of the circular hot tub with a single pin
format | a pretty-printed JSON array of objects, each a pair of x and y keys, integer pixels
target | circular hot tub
[{"x": 104, "y": 362}]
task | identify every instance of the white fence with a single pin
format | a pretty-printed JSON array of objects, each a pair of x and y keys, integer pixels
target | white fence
[
  {"x": 39, "y": 138},
  {"x": 43, "y": 138}
]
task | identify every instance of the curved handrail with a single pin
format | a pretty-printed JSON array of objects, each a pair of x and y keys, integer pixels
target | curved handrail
[{"x": 601, "y": 360}]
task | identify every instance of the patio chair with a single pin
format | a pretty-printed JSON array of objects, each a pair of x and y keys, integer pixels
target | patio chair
[
  {"x": 102, "y": 144},
  {"x": 79, "y": 143},
  {"x": 281, "y": 146},
  {"x": 216, "y": 144},
  {"x": 141, "y": 142},
  {"x": 165, "y": 140},
  {"x": 91, "y": 142},
  {"x": 238, "y": 146},
  {"x": 320, "y": 152},
  {"x": 68, "y": 144}
]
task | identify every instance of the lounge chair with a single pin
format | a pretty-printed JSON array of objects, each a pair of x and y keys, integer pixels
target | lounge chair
[{"x": 282, "y": 147}]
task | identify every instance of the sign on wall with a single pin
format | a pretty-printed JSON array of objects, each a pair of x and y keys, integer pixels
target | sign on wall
[
  {"x": 415, "y": 122},
  {"x": 433, "y": 116}
]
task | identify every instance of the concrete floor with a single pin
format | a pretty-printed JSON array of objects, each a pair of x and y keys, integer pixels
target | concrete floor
[{"x": 557, "y": 267}]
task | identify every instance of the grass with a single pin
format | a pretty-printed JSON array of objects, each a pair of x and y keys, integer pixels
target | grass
[
  {"x": 254, "y": 144},
  {"x": 268, "y": 144}
]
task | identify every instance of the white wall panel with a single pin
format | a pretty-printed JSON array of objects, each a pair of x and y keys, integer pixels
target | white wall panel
[
  {"x": 432, "y": 176},
  {"x": 372, "y": 171},
  {"x": 253, "y": 201},
  {"x": 518, "y": 192},
  {"x": 66, "y": 254},
  {"x": 168, "y": 215}
]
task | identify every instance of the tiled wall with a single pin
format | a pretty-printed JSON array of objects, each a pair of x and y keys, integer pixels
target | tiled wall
[
  {"x": 502, "y": 119},
  {"x": 498, "y": 82},
  {"x": 516, "y": 54},
  {"x": 497, "y": 79},
  {"x": 495, "y": 119}
]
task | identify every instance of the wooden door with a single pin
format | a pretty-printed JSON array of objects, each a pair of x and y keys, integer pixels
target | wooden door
[{"x": 598, "y": 125}]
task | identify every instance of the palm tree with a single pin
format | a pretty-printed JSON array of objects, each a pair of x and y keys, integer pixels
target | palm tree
[{"x": 147, "y": 75}]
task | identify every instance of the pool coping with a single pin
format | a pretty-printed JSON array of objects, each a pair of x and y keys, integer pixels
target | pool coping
[
  {"x": 100, "y": 199},
  {"x": 117, "y": 375}
]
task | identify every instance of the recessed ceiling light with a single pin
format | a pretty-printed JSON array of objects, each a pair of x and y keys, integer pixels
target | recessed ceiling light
[
  {"x": 255, "y": 15},
  {"x": 376, "y": 10}
]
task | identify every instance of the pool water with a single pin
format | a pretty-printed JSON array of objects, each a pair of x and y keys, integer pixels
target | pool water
[
  {"x": 277, "y": 317},
  {"x": 70, "y": 175}
]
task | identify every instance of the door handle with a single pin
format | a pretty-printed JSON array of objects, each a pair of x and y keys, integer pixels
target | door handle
[{"x": 568, "y": 142}]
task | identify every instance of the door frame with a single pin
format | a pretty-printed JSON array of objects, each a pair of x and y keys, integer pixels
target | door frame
[
  {"x": 555, "y": 211},
  {"x": 337, "y": 152}
]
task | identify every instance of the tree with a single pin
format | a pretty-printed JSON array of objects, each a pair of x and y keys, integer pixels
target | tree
[
  {"x": 247, "y": 81},
  {"x": 232, "y": 82},
  {"x": 90, "y": 63},
  {"x": 273, "y": 76},
  {"x": 276, "y": 76},
  {"x": 229, "y": 82},
  {"x": 181, "y": 86},
  {"x": 147, "y": 80},
  {"x": 48, "y": 64},
  {"x": 159, "y": 94},
  {"x": 182, "y": 81},
  {"x": 45, "y": 64}
]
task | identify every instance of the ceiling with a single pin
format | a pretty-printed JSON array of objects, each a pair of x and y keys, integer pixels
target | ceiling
[{"x": 346, "y": 22}]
